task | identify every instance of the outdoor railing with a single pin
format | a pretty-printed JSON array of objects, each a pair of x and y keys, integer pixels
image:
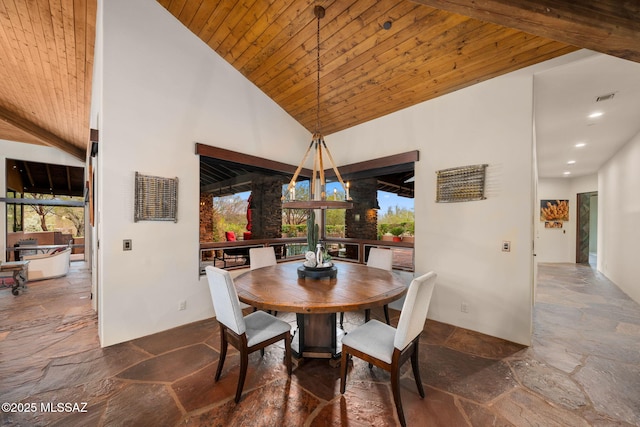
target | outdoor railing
[{"x": 235, "y": 255}]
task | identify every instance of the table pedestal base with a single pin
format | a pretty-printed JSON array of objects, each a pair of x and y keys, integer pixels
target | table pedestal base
[{"x": 317, "y": 336}]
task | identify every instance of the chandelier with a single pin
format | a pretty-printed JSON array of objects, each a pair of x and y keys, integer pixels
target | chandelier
[{"x": 317, "y": 188}]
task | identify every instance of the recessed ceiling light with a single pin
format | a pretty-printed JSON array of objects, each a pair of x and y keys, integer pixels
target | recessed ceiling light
[
  {"x": 596, "y": 114},
  {"x": 580, "y": 144},
  {"x": 571, "y": 162},
  {"x": 567, "y": 173}
]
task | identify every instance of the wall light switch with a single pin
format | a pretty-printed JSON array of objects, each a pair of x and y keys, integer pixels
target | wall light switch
[
  {"x": 126, "y": 245},
  {"x": 506, "y": 246}
]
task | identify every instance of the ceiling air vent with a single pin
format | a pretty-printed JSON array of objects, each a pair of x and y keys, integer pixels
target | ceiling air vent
[{"x": 605, "y": 97}]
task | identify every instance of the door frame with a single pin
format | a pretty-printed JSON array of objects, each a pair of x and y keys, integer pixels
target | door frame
[{"x": 583, "y": 230}]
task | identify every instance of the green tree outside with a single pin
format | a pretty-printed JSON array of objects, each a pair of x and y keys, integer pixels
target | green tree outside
[
  {"x": 68, "y": 219},
  {"x": 230, "y": 215}
]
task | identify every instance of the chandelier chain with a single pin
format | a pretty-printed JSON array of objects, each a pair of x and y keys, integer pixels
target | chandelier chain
[
  {"x": 318, "y": 77},
  {"x": 317, "y": 201}
]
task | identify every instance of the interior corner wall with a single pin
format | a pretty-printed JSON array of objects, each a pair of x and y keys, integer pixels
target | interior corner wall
[
  {"x": 559, "y": 244},
  {"x": 33, "y": 153},
  {"x": 490, "y": 123},
  {"x": 618, "y": 218},
  {"x": 163, "y": 90}
]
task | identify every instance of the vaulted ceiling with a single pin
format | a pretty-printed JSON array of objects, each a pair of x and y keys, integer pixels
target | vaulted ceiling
[
  {"x": 46, "y": 66},
  {"x": 376, "y": 56}
]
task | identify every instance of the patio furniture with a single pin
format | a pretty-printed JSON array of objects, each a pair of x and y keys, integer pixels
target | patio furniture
[
  {"x": 232, "y": 254},
  {"x": 48, "y": 265},
  {"x": 18, "y": 270}
]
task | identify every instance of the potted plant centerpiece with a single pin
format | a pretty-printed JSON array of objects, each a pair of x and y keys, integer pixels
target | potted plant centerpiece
[
  {"x": 312, "y": 238},
  {"x": 317, "y": 263}
]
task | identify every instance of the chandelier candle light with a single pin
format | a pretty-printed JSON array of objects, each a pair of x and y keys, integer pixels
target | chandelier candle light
[{"x": 318, "y": 199}]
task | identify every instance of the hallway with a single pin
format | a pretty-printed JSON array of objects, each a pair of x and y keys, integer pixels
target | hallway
[{"x": 582, "y": 369}]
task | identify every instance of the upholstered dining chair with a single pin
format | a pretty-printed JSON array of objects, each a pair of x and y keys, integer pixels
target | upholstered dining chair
[
  {"x": 378, "y": 258},
  {"x": 387, "y": 347},
  {"x": 262, "y": 257},
  {"x": 246, "y": 333}
]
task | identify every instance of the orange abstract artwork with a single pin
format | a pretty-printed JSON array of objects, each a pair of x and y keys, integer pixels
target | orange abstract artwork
[{"x": 554, "y": 210}]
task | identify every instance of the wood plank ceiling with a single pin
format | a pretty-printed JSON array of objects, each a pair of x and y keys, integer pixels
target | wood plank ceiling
[
  {"x": 432, "y": 47},
  {"x": 367, "y": 71},
  {"x": 46, "y": 66}
]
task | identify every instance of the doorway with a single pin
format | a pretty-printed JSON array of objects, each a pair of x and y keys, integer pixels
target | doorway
[
  {"x": 587, "y": 231},
  {"x": 44, "y": 206}
]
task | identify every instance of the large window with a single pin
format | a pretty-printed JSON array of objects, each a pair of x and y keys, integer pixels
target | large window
[{"x": 227, "y": 180}]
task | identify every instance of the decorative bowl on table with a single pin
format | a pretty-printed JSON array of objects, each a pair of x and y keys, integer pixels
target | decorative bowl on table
[
  {"x": 312, "y": 270},
  {"x": 317, "y": 273},
  {"x": 324, "y": 266}
]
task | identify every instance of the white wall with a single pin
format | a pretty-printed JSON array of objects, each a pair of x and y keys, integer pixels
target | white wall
[
  {"x": 33, "y": 153},
  {"x": 163, "y": 91},
  {"x": 487, "y": 123},
  {"x": 555, "y": 244},
  {"x": 619, "y": 218}
]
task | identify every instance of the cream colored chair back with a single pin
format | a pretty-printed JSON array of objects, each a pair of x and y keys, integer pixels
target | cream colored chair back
[
  {"x": 225, "y": 299},
  {"x": 414, "y": 311},
  {"x": 262, "y": 257},
  {"x": 380, "y": 258}
]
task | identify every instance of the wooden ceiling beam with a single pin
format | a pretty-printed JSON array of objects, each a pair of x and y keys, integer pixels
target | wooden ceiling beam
[
  {"x": 236, "y": 181},
  {"x": 606, "y": 26},
  {"x": 49, "y": 177},
  {"x": 69, "y": 186},
  {"x": 27, "y": 169},
  {"x": 246, "y": 159},
  {"x": 43, "y": 135}
]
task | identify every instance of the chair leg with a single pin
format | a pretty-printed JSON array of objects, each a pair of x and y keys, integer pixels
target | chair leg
[
  {"x": 416, "y": 369},
  {"x": 223, "y": 351},
  {"x": 395, "y": 389},
  {"x": 244, "y": 362},
  {"x": 287, "y": 352},
  {"x": 386, "y": 314},
  {"x": 344, "y": 361},
  {"x": 341, "y": 320}
]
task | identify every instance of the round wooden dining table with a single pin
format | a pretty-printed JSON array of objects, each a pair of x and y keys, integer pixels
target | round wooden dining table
[{"x": 316, "y": 301}]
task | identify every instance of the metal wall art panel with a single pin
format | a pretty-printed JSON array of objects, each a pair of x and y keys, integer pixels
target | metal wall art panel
[
  {"x": 461, "y": 184},
  {"x": 156, "y": 198}
]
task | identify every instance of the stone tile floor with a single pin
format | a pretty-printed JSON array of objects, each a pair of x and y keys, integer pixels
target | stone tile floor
[{"x": 583, "y": 368}]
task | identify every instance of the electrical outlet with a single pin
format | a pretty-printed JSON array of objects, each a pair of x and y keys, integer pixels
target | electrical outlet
[
  {"x": 126, "y": 245},
  {"x": 464, "y": 307},
  {"x": 506, "y": 246},
  {"x": 182, "y": 305}
]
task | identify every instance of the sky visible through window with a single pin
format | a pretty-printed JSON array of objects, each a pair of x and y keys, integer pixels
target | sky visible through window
[{"x": 391, "y": 200}]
